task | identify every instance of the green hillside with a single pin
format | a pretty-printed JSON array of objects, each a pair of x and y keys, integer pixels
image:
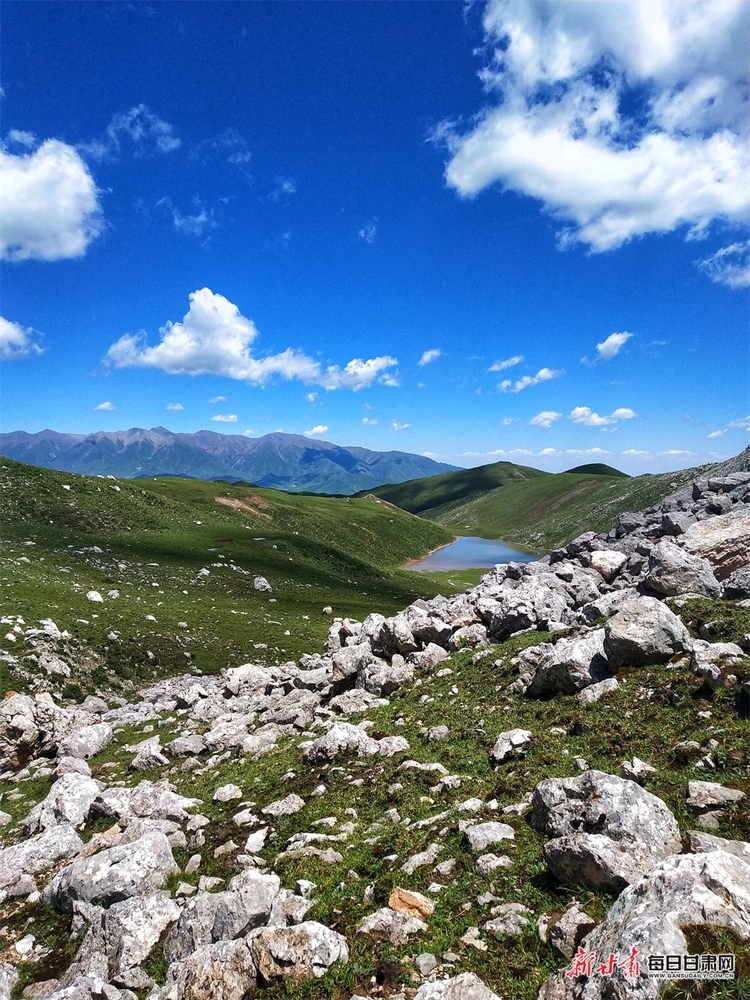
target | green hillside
[
  {"x": 422, "y": 495},
  {"x": 529, "y": 508},
  {"x": 64, "y": 535},
  {"x": 598, "y": 469}
]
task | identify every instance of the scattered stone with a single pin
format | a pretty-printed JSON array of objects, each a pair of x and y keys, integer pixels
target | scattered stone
[
  {"x": 473, "y": 940},
  {"x": 510, "y": 919},
  {"x": 509, "y": 744},
  {"x": 389, "y": 925},
  {"x": 488, "y": 863},
  {"x": 227, "y": 793},
  {"x": 644, "y": 632},
  {"x": 294, "y": 954},
  {"x": 566, "y": 933},
  {"x": 284, "y": 807},
  {"x": 413, "y": 903},
  {"x": 483, "y": 835},
  {"x": 425, "y": 963}
]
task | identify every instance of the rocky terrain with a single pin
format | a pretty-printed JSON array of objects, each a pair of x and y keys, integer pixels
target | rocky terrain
[{"x": 447, "y": 804}]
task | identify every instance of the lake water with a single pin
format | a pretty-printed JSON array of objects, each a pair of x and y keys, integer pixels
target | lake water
[{"x": 470, "y": 552}]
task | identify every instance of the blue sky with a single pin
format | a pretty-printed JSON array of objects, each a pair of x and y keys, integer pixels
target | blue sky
[{"x": 503, "y": 231}]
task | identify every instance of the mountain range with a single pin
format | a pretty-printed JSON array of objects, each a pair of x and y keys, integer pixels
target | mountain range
[{"x": 288, "y": 462}]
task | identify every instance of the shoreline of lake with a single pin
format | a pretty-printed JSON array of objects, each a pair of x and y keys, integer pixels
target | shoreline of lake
[{"x": 469, "y": 552}]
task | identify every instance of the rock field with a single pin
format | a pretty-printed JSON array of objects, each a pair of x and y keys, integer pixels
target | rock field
[{"x": 113, "y": 861}]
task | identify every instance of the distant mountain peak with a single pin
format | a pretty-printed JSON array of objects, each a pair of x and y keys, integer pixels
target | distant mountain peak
[{"x": 290, "y": 462}]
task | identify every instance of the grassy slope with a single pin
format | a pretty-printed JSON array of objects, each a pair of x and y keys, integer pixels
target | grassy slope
[
  {"x": 421, "y": 495},
  {"x": 532, "y": 509},
  {"x": 544, "y": 513},
  {"x": 155, "y": 536}
]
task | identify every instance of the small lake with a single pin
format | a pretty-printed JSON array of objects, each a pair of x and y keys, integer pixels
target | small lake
[{"x": 470, "y": 552}]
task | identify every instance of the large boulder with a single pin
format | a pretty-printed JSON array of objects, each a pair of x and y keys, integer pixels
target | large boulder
[
  {"x": 134, "y": 926},
  {"x": 293, "y": 954},
  {"x": 30, "y": 727},
  {"x": 683, "y": 891},
  {"x": 86, "y": 741},
  {"x": 607, "y": 830},
  {"x": 467, "y": 986},
  {"x": 571, "y": 665},
  {"x": 222, "y": 971},
  {"x": 724, "y": 541},
  {"x": 113, "y": 874},
  {"x": 68, "y": 801},
  {"x": 673, "y": 571},
  {"x": 38, "y": 853},
  {"x": 644, "y": 632}
]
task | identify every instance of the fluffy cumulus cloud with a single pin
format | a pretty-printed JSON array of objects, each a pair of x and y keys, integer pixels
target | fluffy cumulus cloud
[
  {"x": 225, "y": 418},
  {"x": 369, "y": 421},
  {"x": 18, "y": 341},
  {"x": 49, "y": 208},
  {"x": 543, "y": 375},
  {"x": 429, "y": 356},
  {"x": 545, "y": 419},
  {"x": 105, "y": 407},
  {"x": 586, "y": 416},
  {"x": 214, "y": 338},
  {"x": 500, "y": 366},
  {"x": 620, "y": 118},
  {"x": 318, "y": 429},
  {"x": 396, "y": 426},
  {"x": 742, "y": 424},
  {"x": 174, "y": 407},
  {"x": 729, "y": 266}
]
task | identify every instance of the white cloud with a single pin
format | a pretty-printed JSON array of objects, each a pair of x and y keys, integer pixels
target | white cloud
[
  {"x": 18, "y": 341},
  {"x": 391, "y": 379},
  {"x": 611, "y": 346},
  {"x": 215, "y": 338},
  {"x": 676, "y": 452},
  {"x": 218, "y": 399},
  {"x": 621, "y": 118},
  {"x": 311, "y": 397},
  {"x": 507, "y": 421},
  {"x": 547, "y": 452},
  {"x": 248, "y": 433},
  {"x": 369, "y": 231},
  {"x": 50, "y": 204},
  {"x": 500, "y": 366},
  {"x": 369, "y": 421},
  {"x": 743, "y": 423},
  {"x": 191, "y": 225},
  {"x": 717, "y": 434},
  {"x": 22, "y": 138},
  {"x": 106, "y": 407},
  {"x": 635, "y": 453},
  {"x": 586, "y": 416},
  {"x": 225, "y": 418},
  {"x": 139, "y": 128},
  {"x": 432, "y": 355},
  {"x": 284, "y": 187},
  {"x": 588, "y": 452},
  {"x": 318, "y": 429},
  {"x": 545, "y": 419},
  {"x": 729, "y": 266},
  {"x": 174, "y": 407},
  {"x": 543, "y": 375},
  {"x": 399, "y": 427}
]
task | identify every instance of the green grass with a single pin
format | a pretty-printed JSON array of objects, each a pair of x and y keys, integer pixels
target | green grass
[{"x": 156, "y": 535}]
